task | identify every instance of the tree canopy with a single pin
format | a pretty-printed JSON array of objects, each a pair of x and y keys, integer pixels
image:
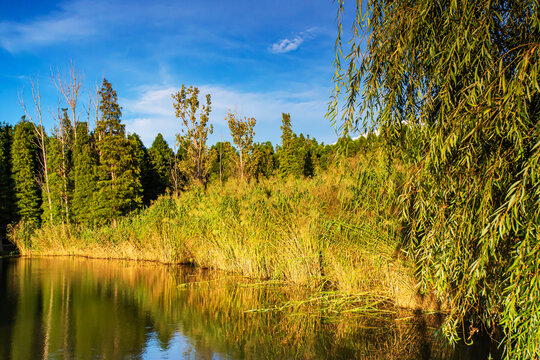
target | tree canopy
[{"x": 454, "y": 86}]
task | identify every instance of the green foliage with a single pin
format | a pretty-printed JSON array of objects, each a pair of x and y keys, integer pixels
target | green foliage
[
  {"x": 195, "y": 132},
  {"x": 291, "y": 157},
  {"x": 24, "y": 154},
  {"x": 455, "y": 86},
  {"x": 242, "y": 133},
  {"x": 56, "y": 184},
  {"x": 264, "y": 161},
  {"x": 7, "y": 195},
  {"x": 118, "y": 189},
  {"x": 336, "y": 230},
  {"x": 84, "y": 177},
  {"x": 147, "y": 174},
  {"x": 161, "y": 160},
  {"x": 224, "y": 161}
]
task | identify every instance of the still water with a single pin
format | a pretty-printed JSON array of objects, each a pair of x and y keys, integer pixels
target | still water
[{"x": 74, "y": 308}]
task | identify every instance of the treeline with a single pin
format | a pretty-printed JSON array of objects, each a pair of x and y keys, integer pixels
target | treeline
[{"x": 93, "y": 176}]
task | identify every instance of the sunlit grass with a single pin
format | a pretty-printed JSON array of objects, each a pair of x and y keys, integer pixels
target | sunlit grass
[{"x": 336, "y": 231}]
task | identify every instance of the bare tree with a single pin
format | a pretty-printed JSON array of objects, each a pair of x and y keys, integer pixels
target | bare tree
[
  {"x": 40, "y": 135},
  {"x": 69, "y": 88}
]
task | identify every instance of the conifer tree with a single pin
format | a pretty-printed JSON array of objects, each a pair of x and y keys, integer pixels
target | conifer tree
[
  {"x": 54, "y": 212},
  {"x": 161, "y": 159},
  {"x": 146, "y": 173},
  {"x": 24, "y": 155},
  {"x": 118, "y": 187},
  {"x": 224, "y": 161},
  {"x": 195, "y": 132},
  {"x": 264, "y": 162},
  {"x": 7, "y": 187},
  {"x": 290, "y": 161},
  {"x": 84, "y": 178}
]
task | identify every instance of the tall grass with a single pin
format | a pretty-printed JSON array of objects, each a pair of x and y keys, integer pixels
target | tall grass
[{"x": 336, "y": 231}]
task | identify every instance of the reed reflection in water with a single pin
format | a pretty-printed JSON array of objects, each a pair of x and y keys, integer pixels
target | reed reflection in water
[{"x": 56, "y": 308}]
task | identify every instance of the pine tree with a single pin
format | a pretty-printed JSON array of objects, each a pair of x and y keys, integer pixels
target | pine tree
[
  {"x": 118, "y": 186},
  {"x": 161, "y": 159},
  {"x": 24, "y": 155},
  {"x": 290, "y": 159},
  {"x": 84, "y": 178},
  {"x": 224, "y": 161},
  {"x": 147, "y": 175},
  {"x": 54, "y": 212},
  {"x": 264, "y": 161},
  {"x": 7, "y": 187}
]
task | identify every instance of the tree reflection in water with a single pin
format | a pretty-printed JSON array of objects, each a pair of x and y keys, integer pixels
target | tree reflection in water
[{"x": 84, "y": 309}]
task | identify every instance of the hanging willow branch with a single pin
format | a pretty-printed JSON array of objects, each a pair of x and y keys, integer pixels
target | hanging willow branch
[{"x": 454, "y": 88}]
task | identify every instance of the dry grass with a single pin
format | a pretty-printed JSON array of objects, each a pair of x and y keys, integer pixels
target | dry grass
[{"x": 335, "y": 231}]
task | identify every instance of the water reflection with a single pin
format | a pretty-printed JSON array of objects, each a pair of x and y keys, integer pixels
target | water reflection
[{"x": 58, "y": 308}]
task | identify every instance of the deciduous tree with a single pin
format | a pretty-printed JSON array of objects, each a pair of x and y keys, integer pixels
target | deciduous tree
[
  {"x": 195, "y": 130},
  {"x": 454, "y": 84},
  {"x": 242, "y": 133}
]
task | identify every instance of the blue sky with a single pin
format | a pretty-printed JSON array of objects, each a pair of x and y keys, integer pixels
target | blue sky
[{"x": 260, "y": 57}]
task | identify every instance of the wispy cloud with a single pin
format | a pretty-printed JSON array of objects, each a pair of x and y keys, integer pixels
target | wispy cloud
[
  {"x": 82, "y": 19},
  {"x": 63, "y": 27},
  {"x": 292, "y": 43},
  {"x": 286, "y": 45},
  {"x": 151, "y": 111}
]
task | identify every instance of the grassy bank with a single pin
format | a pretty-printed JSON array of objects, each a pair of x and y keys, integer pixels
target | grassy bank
[{"x": 336, "y": 231}]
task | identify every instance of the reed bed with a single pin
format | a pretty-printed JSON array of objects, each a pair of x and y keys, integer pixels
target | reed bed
[{"x": 335, "y": 231}]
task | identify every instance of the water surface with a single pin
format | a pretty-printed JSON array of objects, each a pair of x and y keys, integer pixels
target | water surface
[{"x": 75, "y": 308}]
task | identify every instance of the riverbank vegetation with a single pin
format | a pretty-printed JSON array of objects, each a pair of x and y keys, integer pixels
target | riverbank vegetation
[
  {"x": 451, "y": 182},
  {"x": 337, "y": 230}
]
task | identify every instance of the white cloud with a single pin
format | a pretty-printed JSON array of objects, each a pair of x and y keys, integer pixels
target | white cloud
[
  {"x": 151, "y": 112},
  {"x": 286, "y": 45},
  {"x": 82, "y": 19},
  {"x": 292, "y": 43},
  {"x": 22, "y": 36}
]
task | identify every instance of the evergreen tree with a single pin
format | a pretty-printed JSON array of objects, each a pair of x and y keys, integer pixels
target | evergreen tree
[
  {"x": 264, "y": 161},
  {"x": 56, "y": 185},
  {"x": 59, "y": 148},
  {"x": 7, "y": 187},
  {"x": 224, "y": 160},
  {"x": 290, "y": 158},
  {"x": 84, "y": 178},
  {"x": 161, "y": 159},
  {"x": 24, "y": 155},
  {"x": 118, "y": 188},
  {"x": 147, "y": 174}
]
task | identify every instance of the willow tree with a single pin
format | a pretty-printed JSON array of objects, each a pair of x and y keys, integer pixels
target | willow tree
[
  {"x": 455, "y": 84},
  {"x": 195, "y": 130},
  {"x": 242, "y": 133}
]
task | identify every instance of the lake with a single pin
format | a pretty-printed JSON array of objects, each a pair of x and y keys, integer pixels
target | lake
[{"x": 77, "y": 308}]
